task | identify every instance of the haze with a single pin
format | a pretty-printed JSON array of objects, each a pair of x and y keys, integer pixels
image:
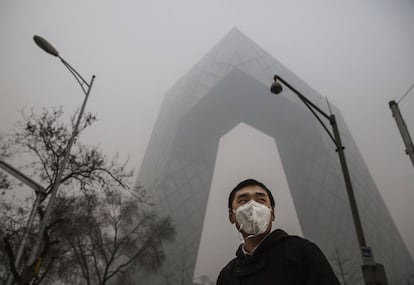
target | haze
[{"x": 357, "y": 53}]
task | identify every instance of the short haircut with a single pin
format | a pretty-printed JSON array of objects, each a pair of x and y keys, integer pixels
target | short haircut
[{"x": 247, "y": 183}]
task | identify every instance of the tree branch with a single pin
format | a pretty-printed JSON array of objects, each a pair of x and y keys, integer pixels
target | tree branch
[
  {"x": 139, "y": 252},
  {"x": 12, "y": 260}
]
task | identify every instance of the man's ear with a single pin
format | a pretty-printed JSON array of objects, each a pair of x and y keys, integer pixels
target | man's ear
[{"x": 232, "y": 217}]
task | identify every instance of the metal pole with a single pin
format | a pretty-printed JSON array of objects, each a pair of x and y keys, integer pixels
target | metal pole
[
  {"x": 21, "y": 176},
  {"x": 39, "y": 190},
  {"x": 45, "y": 221},
  {"x": 409, "y": 147},
  {"x": 348, "y": 184},
  {"x": 373, "y": 272},
  {"x": 28, "y": 227}
]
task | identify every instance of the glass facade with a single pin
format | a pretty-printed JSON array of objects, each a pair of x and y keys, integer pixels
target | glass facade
[{"x": 228, "y": 86}]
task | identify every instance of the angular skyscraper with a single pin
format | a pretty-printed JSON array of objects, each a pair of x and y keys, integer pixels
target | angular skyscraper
[{"x": 228, "y": 86}]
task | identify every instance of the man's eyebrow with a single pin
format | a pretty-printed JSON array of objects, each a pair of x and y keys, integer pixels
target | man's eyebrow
[
  {"x": 260, "y": 194},
  {"x": 247, "y": 195},
  {"x": 243, "y": 195}
]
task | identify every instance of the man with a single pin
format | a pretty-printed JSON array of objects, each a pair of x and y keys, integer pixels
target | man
[{"x": 268, "y": 257}]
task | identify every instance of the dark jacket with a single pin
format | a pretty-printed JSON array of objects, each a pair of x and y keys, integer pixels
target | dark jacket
[{"x": 280, "y": 259}]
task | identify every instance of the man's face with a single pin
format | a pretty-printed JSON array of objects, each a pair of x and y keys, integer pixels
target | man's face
[{"x": 244, "y": 195}]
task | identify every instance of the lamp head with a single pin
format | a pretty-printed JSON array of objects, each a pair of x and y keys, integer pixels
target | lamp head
[
  {"x": 276, "y": 87},
  {"x": 45, "y": 45}
]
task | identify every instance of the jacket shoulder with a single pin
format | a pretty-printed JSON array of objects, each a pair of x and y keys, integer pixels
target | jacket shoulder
[
  {"x": 226, "y": 273},
  {"x": 290, "y": 248},
  {"x": 315, "y": 263}
]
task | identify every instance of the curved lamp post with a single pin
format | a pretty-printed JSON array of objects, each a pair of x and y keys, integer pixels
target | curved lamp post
[
  {"x": 372, "y": 271},
  {"x": 86, "y": 88}
]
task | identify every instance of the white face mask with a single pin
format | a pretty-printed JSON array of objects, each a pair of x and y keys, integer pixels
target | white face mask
[{"x": 253, "y": 217}]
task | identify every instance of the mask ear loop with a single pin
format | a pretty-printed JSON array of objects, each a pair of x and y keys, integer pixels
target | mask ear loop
[
  {"x": 259, "y": 233},
  {"x": 240, "y": 234}
]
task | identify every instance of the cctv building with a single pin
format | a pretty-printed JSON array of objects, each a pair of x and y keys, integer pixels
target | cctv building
[{"x": 229, "y": 86}]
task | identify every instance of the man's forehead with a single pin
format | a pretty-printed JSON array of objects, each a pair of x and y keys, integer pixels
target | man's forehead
[{"x": 251, "y": 190}]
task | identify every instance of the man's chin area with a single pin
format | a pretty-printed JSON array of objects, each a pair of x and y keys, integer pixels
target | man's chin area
[{"x": 252, "y": 236}]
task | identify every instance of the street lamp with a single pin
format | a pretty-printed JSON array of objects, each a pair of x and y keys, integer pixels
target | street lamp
[
  {"x": 373, "y": 272},
  {"x": 86, "y": 88}
]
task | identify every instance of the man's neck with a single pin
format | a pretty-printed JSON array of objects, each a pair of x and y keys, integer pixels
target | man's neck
[{"x": 250, "y": 244}]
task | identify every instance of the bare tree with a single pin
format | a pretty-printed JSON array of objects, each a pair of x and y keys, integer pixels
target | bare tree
[
  {"x": 102, "y": 237},
  {"x": 101, "y": 225},
  {"x": 205, "y": 280},
  {"x": 5, "y": 181}
]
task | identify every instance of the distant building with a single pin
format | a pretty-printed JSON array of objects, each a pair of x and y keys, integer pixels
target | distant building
[{"x": 228, "y": 86}]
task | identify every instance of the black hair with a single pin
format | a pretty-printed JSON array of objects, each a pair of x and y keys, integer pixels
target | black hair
[{"x": 247, "y": 183}]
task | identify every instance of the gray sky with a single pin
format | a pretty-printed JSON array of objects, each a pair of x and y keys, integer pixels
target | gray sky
[{"x": 357, "y": 53}]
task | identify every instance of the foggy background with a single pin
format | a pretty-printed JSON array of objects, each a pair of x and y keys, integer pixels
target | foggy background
[{"x": 360, "y": 54}]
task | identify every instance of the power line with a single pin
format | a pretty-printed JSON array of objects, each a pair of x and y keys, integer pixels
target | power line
[{"x": 408, "y": 91}]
